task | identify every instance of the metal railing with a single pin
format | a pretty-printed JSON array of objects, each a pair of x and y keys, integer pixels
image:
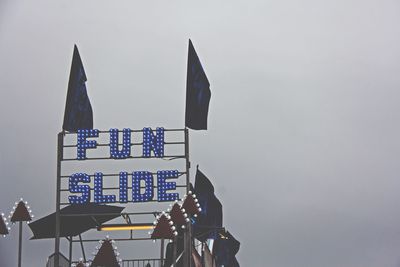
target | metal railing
[{"x": 142, "y": 263}]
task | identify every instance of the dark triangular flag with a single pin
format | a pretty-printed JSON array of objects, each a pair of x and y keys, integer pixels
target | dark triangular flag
[
  {"x": 164, "y": 228},
  {"x": 225, "y": 248},
  {"x": 196, "y": 259},
  {"x": 178, "y": 216},
  {"x": 105, "y": 256},
  {"x": 208, "y": 258},
  {"x": 4, "y": 229},
  {"x": 21, "y": 213},
  {"x": 78, "y": 111},
  {"x": 191, "y": 205},
  {"x": 209, "y": 219},
  {"x": 198, "y": 93}
]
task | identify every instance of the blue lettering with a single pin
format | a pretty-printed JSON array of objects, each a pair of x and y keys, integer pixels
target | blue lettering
[
  {"x": 125, "y": 152},
  {"x": 84, "y": 144},
  {"x": 153, "y": 142},
  {"x": 148, "y": 194},
  {"x": 163, "y": 185},
  {"x": 74, "y": 187},
  {"x": 98, "y": 190}
]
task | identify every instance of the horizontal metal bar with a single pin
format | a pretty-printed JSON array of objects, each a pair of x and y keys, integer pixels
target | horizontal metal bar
[
  {"x": 134, "y": 260},
  {"x": 87, "y": 214},
  {"x": 129, "y": 263},
  {"x": 117, "y": 239},
  {"x": 153, "y": 200},
  {"x": 132, "y": 144},
  {"x": 174, "y": 143},
  {"x": 142, "y": 260},
  {"x": 106, "y": 144},
  {"x": 117, "y": 188},
  {"x": 106, "y": 214},
  {"x": 117, "y": 174},
  {"x": 142, "y": 213},
  {"x": 132, "y": 130},
  {"x": 131, "y": 157}
]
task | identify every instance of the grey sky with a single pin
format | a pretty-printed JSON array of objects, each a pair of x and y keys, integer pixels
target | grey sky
[{"x": 303, "y": 146}]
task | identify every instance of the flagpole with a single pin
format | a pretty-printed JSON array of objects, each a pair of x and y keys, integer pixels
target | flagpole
[
  {"x": 70, "y": 250},
  {"x": 162, "y": 251},
  {"x": 188, "y": 230},
  {"x": 20, "y": 245},
  {"x": 60, "y": 141},
  {"x": 174, "y": 247}
]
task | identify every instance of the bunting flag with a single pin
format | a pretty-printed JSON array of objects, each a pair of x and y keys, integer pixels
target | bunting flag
[
  {"x": 198, "y": 93},
  {"x": 21, "y": 212},
  {"x": 106, "y": 255},
  {"x": 224, "y": 249},
  {"x": 196, "y": 259},
  {"x": 210, "y": 217},
  {"x": 4, "y": 229},
  {"x": 179, "y": 217},
  {"x": 209, "y": 260},
  {"x": 78, "y": 111},
  {"x": 164, "y": 228},
  {"x": 190, "y": 205}
]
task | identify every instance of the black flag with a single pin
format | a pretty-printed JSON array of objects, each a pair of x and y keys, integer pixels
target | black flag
[
  {"x": 198, "y": 93},
  {"x": 78, "y": 111},
  {"x": 225, "y": 249},
  {"x": 210, "y": 218}
]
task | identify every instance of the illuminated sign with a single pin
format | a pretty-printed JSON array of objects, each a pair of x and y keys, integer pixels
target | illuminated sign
[{"x": 142, "y": 187}]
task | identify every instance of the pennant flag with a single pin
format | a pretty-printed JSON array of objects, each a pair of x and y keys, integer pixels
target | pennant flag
[
  {"x": 210, "y": 216},
  {"x": 106, "y": 256},
  {"x": 209, "y": 260},
  {"x": 21, "y": 212},
  {"x": 164, "y": 228},
  {"x": 225, "y": 248},
  {"x": 198, "y": 93},
  {"x": 191, "y": 205},
  {"x": 179, "y": 216},
  {"x": 78, "y": 111},
  {"x": 196, "y": 259},
  {"x": 4, "y": 229}
]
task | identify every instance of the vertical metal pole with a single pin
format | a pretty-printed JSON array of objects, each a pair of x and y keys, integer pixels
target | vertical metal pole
[
  {"x": 175, "y": 248},
  {"x": 187, "y": 160},
  {"x": 190, "y": 242},
  {"x": 162, "y": 252},
  {"x": 70, "y": 250},
  {"x": 20, "y": 245},
  {"x": 187, "y": 233},
  {"x": 83, "y": 249},
  {"x": 202, "y": 255},
  {"x": 60, "y": 141}
]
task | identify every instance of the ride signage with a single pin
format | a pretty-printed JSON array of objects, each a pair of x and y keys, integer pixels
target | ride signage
[{"x": 142, "y": 182}]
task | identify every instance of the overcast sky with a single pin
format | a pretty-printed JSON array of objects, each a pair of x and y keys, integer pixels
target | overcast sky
[{"x": 303, "y": 144}]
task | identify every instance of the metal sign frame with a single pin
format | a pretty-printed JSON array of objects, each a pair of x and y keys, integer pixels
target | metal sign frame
[{"x": 59, "y": 190}]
